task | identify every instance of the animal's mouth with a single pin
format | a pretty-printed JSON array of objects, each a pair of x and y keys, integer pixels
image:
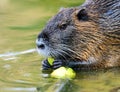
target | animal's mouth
[{"x": 58, "y": 51}]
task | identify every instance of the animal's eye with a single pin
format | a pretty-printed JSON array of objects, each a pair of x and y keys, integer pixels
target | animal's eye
[{"x": 63, "y": 26}]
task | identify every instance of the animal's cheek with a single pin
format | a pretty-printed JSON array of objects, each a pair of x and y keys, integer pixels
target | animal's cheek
[{"x": 54, "y": 38}]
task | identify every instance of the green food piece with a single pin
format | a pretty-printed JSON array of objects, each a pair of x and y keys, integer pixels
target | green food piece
[
  {"x": 63, "y": 73},
  {"x": 50, "y": 60},
  {"x": 70, "y": 73}
]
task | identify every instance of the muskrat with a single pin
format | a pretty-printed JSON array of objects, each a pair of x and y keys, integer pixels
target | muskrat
[{"x": 83, "y": 37}]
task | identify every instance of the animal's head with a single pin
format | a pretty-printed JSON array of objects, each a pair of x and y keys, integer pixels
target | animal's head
[{"x": 72, "y": 33}]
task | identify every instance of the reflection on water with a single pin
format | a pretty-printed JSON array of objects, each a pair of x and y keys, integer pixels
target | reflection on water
[
  {"x": 19, "y": 89},
  {"x": 20, "y": 66},
  {"x": 12, "y": 55},
  {"x": 24, "y": 75}
]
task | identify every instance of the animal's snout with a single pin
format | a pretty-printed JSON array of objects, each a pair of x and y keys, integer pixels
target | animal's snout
[
  {"x": 42, "y": 38},
  {"x": 40, "y": 43}
]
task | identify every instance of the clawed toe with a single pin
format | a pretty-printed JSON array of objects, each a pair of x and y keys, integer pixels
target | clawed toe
[
  {"x": 57, "y": 64},
  {"x": 45, "y": 65}
]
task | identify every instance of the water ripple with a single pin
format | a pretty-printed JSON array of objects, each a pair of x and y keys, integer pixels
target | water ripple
[{"x": 12, "y": 55}]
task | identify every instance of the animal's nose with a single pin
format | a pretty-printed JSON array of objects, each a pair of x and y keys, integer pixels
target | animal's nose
[{"x": 40, "y": 44}]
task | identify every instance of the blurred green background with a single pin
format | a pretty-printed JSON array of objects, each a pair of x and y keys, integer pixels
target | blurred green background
[
  {"x": 22, "y": 20},
  {"x": 20, "y": 23}
]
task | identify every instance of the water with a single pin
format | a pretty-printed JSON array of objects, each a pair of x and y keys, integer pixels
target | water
[{"x": 20, "y": 64}]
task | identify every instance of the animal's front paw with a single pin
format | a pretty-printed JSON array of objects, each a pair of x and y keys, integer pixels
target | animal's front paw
[
  {"x": 58, "y": 63},
  {"x": 46, "y": 65}
]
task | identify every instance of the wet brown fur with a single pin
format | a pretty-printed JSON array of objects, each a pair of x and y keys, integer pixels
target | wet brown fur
[{"x": 104, "y": 47}]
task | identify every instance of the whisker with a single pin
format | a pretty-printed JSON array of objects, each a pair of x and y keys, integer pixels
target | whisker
[
  {"x": 68, "y": 49},
  {"x": 57, "y": 53},
  {"x": 63, "y": 53}
]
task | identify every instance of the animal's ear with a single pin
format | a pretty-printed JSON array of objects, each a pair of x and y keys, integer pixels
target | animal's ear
[{"x": 82, "y": 15}]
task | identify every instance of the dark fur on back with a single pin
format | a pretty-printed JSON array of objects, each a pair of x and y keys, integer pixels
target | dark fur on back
[{"x": 109, "y": 15}]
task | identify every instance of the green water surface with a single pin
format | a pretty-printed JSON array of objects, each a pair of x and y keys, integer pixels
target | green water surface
[{"x": 20, "y": 22}]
